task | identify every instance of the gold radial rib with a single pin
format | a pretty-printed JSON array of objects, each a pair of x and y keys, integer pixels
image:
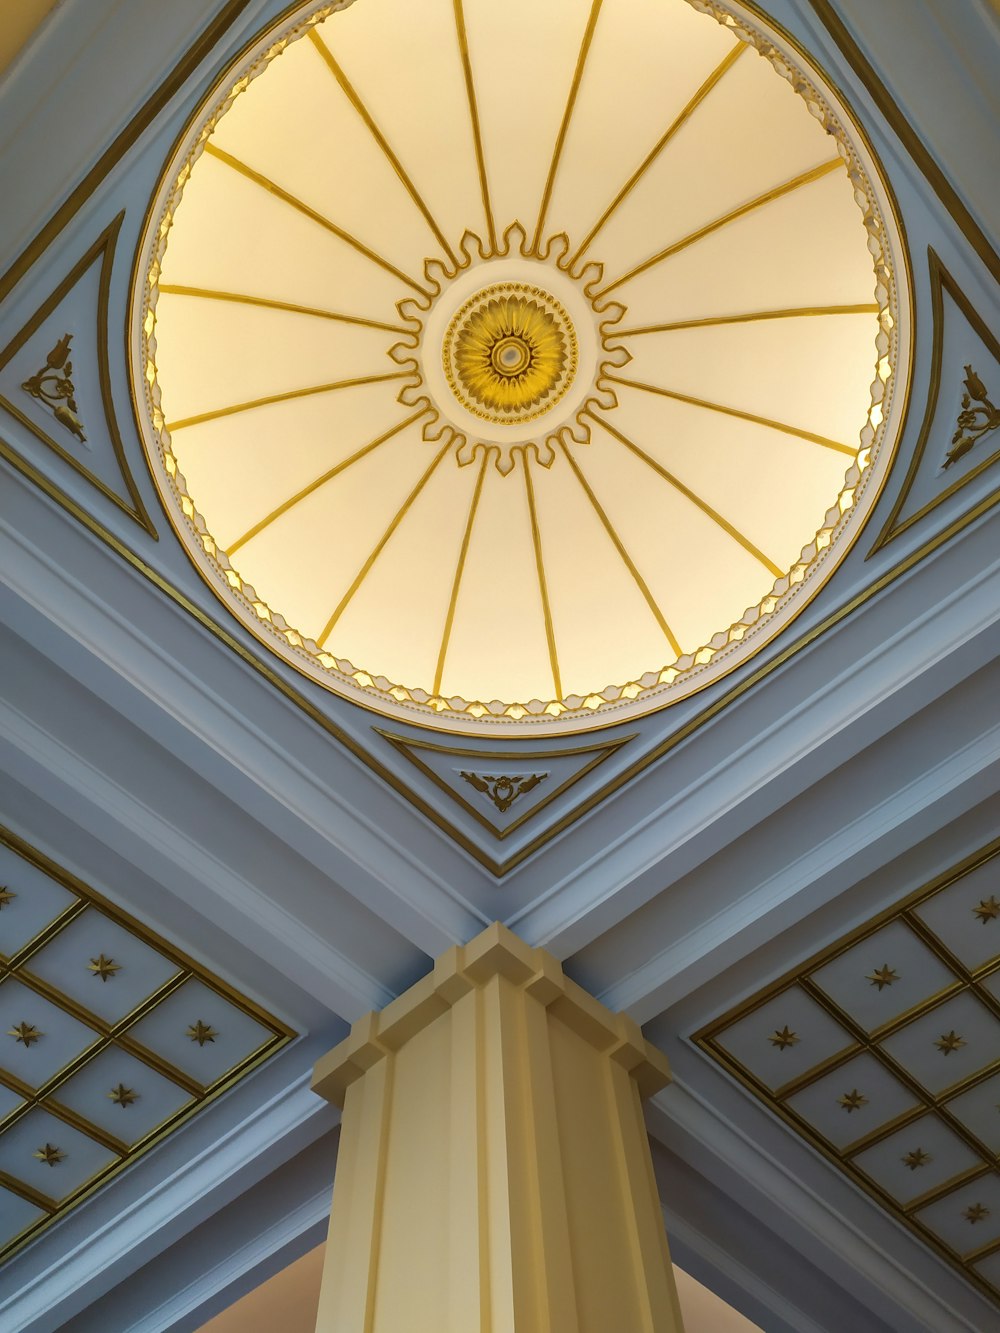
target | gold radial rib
[
  {"x": 321, "y": 481},
  {"x": 459, "y": 571},
  {"x": 217, "y": 412},
  {"x": 574, "y": 88},
  {"x": 209, "y": 294},
  {"x": 696, "y": 101},
  {"x": 477, "y": 134},
  {"x": 380, "y": 546},
  {"x": 536, "y": 538},
  {"x": 688, "y": 494},
  {"x": 640, "y": 582},
  {"x": 351, "y": 94},
  {"x": 794, "y": 312},
  {"x": 272, "y": 187},
  {"x": 768, "y": 197},
  {"x": 737, "y": 412}
]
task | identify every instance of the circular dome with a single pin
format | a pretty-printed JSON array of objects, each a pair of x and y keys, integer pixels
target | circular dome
[{"x": 515, "y": 366}]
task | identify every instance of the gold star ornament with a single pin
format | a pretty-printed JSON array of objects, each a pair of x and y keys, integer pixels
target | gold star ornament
[
  {"x": 6, "y": 897},
  {"x": 50, "y": 1155},
  {"x": 123, "y": 1096},
  {"x": 25, "y": 1033},
  {"x": 916, "y": 1158},
  {"x": 883, "y": 976},
  {"x": 950, "y": 1041},
  {"x": 202, "y": 1032},
  {"x": 103, "y": 967},
  {"x": 976, "y": 1213},
  {"x": 783, "y": 1037},
  {"x": 852, "y": 1101},
  {"x": 988, "y": 909}
]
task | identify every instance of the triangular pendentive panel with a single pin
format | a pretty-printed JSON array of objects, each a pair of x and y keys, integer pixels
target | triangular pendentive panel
[
  {"x": 960, "y": 433},
  {"x": 54, "y": 378},
  {"x": 503, "y": 789}
]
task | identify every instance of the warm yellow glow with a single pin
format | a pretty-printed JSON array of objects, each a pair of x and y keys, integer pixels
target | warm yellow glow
[
  {"x": 540, "y": 408},
  {"x": 19, "y": 21}
]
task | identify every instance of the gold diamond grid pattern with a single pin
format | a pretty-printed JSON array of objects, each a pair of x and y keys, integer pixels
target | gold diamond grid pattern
[
  {"x": 884, "y": 1052},
  {"x": 109, "y": 1040}
]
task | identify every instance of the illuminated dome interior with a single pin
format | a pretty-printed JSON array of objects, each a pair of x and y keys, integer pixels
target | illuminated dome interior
[{"x": 519, "y": 365}]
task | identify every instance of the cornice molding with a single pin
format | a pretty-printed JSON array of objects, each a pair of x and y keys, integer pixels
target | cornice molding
[
  {"x": 551, "y": 902},
  {"x": 814, "y": 1225},
  {"x": 342, "y": 984},
  {"x": 196, "y": 54},
  {"x": 50, "y": 1282},
  {"x": 882, "y": 831},
  {"x": 895, "y": 117},
  {"x": 833, "y": 718},
  {"x": 311, "y": 1213}
]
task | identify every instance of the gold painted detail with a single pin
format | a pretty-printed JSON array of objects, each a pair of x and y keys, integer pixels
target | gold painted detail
[
  {"x": 127, "y": 497},
  {"x": 852, "y": 1101},
  {"x": 50, "y": 1155},
  {"x": 53, "y": 386},
  {"x": 504, "y": 790},
  {"x": 784, "y": 1037},
  {"x": 916, "y": 1159},
  {"x": 103, "y": 967},
  {"x": 25, "y": 1033},
  {"x": 510, "y": 353},
  {"x": 942, "y": 284},
  {"x": 670, "y": 678},
  {"x": 6, "y": 896},
  {"x": 97, "y": 1037},
  {"x": 977, "y": 418},
  {"x": 874, "y": 1045},
  {"x": 201, "y": 1032},
  {"x": 988, "y": 909},
  {"x": 977, "y": 1213},
  {"x": 420, "y": 754},
  {"x": 883, "y": 976}
]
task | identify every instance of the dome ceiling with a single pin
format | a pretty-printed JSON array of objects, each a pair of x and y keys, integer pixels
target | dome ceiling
[{"x": 514, "y": 366}]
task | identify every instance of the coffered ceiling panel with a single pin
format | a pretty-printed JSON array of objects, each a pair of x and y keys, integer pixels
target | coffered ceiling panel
[
  {"x": 110, "y": 1039},
  {"x": 908, "y": 1104}
]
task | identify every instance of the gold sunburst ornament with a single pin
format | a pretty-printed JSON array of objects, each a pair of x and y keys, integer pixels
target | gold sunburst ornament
[
  {"x": 496, "y": 411},
  {"x": 510, "y": 352},
  {"x": 500, "y": 366}
]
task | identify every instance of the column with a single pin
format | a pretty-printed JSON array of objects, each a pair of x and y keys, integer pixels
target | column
[{"x": 494, "y": 1173}]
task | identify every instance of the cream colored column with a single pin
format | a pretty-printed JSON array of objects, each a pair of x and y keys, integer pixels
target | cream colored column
[{"x": 494, "y": 1173}]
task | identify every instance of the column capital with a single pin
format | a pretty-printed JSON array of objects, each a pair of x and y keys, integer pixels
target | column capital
[{"x": 495, "y": 952}]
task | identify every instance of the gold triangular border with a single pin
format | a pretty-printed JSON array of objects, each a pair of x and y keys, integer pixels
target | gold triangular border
[
  {"x": 406, "y": 746},
  {"x": 941, "y": 281},
  {"x": 103, "y": 247}
]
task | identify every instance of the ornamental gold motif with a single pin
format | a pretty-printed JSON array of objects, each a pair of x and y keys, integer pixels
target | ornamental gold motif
[
  {"x": 503, "y": 358},
  {"x": 510, "y": 353}
]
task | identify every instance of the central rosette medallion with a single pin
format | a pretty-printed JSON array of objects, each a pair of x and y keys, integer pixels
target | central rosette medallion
[
  {"x": 488, "y": 416},
  {"x": 510, "y": 352}
]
